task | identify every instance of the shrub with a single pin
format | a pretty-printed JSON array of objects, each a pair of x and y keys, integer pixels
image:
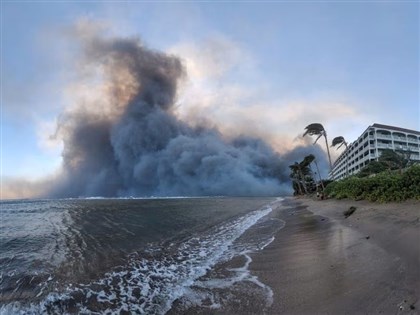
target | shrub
[
  {"x": 332, "y": 189},
  {"x": 384, "y": 187}
]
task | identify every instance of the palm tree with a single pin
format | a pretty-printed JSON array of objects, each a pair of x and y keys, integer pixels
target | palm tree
[
  {"x": 302, "y": 173},
  {"x": 394, "y": 160},
  {"x": 296, "y": 176},
  {"x": 309, "y": 159},
  {"x": 340, "y": 141},
  {"x": 306, "y": 169},
  {"x": 318, "y": 129}
]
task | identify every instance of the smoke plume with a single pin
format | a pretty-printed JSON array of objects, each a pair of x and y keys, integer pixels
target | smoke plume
[{"x": 128, "y": 142}]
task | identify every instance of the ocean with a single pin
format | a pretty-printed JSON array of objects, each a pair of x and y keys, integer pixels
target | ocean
[{"x": 132, "y": 256}]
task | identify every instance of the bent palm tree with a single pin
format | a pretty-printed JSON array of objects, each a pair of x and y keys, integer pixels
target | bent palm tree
[
  {"x": 318, "y": 129},
  {"x": 340, "y": 141},
  {"x": 302, "y": 174},
  {"x": 311, "y": 159},
  {"x": 296, "y": 177},
  {"x": 308, "y": 160}
]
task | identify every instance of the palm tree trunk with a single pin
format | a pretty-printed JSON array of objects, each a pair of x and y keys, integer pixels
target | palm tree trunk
[
  {"x": 319, "y": 175},
  {"x": 300, "y": 187},
  {"x": 297, "y": 181},
  {"x": 328, "y": 151},
  {"x": 347, "y": 160},
  {"x": 303, "y": 181}
]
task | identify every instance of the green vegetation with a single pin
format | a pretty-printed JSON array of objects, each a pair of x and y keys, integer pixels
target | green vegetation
[
  {"x": 304, "y": 177},
  {"x": 388, "y": 179},
  {"x": 383, "y": 187},
  {"x": 393, "y": 177},
  {"x": 389, "y": 160}
]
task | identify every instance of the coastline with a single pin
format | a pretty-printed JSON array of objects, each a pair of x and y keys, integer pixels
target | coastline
[{"x": 323, "y": 263}]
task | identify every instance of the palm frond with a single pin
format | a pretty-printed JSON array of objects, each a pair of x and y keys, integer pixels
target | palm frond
[
  {"x": 308, "y": 160},
  {"x": 314, "y": 129},
  {"x": 318, "y": 137},
  {"x": 339, "y": 140}
]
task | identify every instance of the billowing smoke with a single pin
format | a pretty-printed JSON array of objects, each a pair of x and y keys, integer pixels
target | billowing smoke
[{"x": 130, "y": 143}]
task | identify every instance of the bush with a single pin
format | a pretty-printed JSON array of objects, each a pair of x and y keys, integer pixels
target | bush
[
  {"x": 330, "y": 189},
  {"x": 384, "y": 187}
]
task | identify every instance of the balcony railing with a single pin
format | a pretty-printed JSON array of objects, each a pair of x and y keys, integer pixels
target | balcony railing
[
  {"x": 380, "y": 135},
  {"x": 385, "y": 145}
]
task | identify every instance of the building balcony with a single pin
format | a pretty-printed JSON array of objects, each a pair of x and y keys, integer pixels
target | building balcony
[
  {"x": 379, "y": 135},
  {"x": 385, "y": 145},
  {"x": 372, "y": 143}
]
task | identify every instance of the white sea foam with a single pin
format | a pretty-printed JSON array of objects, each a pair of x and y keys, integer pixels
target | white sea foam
[
  {"x": 150, "y": 285},
  {"x": 142, "y": 198}
]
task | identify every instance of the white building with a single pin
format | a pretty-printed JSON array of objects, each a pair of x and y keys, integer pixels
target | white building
[{"x": 369, "y": 146}]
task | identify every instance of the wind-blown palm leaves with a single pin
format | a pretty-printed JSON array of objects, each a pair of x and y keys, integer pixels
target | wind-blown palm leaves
[
  {"x": 308, "y": 160},
  {"x": 296, "y": 176},
  {"x": 340, "y": 141},
  {"x": 318, "y": 129},
  {"x": 302, "y": 174},
  {"x": 315, "y": 129}
]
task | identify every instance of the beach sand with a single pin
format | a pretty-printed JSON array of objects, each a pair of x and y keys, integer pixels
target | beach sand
[{"x": 323, "y": 263}]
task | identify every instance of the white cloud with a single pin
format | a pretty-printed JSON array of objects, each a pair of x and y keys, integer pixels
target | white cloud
[{"x": 211, "y": 95}]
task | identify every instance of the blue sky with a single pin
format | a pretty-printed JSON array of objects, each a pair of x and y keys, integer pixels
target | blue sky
[{"x": 277, "y": 65}]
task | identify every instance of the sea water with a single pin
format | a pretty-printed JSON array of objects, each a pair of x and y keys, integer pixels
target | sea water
[{"x": 141, "y": 256}]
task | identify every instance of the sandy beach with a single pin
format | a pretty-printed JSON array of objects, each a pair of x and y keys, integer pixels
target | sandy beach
[{"x": 324, "y": 263}]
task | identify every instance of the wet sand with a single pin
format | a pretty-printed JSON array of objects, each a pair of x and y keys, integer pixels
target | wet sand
[{"x": 322, "y": 263}]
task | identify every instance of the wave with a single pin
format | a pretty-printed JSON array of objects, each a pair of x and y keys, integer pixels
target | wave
[{"x": 149, "y": 282}]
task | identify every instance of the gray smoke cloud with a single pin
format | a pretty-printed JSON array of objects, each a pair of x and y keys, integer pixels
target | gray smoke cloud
[{"x": 130, "y": 143}]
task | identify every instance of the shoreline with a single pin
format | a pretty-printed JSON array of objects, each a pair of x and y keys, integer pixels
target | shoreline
[{"x": 322, "y": 263}]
